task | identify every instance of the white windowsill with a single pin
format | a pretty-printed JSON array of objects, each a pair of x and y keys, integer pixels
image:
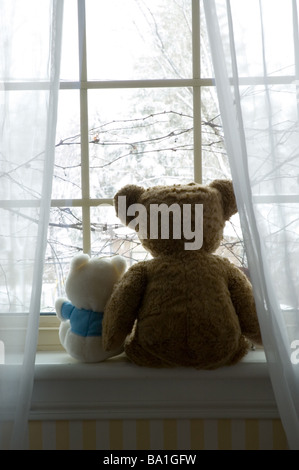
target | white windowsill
[{"x": 117, "y": 389}]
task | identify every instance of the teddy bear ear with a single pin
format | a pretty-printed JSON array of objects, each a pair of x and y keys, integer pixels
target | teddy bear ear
[
  {"x": 79, "y": 260},
  {"x": 119, "y": 263},
  {"x": 226, "y": 189},
  {"x": 124, "y": 198}
]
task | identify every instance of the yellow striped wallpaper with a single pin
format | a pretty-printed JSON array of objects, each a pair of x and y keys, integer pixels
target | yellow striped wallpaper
[{"x": 164, "y": 434}]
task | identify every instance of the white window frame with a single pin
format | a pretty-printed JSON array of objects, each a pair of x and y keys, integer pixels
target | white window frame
[
  {"x": 84, "y": 85},
  {"x": 49, "y": 324}
]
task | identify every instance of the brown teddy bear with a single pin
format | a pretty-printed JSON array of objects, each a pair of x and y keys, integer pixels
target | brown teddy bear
[{"x": 186, "y": 306}]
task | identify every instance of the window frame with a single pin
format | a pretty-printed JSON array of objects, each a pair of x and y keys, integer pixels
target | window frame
[
  {"x": 49, "y": 324},
  {"x": 84, "y": 85}
]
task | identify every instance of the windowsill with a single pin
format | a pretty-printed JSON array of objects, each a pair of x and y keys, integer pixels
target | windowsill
[{"x": 118, "y": 389}]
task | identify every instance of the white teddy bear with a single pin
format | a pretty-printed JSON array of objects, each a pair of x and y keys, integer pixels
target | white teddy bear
[{"x": 88, "y": 286}]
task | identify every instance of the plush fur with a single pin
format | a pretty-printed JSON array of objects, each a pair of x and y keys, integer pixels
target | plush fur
[
  {"x": 88, "y": 286},
  {"x": 183, "y": 308}
]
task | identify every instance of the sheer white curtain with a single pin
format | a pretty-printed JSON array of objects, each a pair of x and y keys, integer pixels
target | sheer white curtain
[
  {"x": 30, "y": 40},
  {"x": 255, "y": 51}
]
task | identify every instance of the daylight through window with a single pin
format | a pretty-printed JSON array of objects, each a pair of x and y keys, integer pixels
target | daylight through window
[{"x": 137, "y": 104}]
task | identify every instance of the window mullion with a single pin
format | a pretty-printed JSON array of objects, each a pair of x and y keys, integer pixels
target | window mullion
[
  {"x": 85, "y": 183},
  {"x": 196, "y": 91}
]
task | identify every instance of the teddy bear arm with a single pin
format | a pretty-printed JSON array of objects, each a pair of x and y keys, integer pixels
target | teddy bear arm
[
  {"x": 122, "y": 308},
  {"x": 58, "y": 308},
  {"x": 244, "y": 304}
]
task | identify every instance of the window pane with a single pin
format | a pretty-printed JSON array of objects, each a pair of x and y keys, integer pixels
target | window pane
[
  {"x": 69, "y": 69},
  {"x": 215, "y": 162},
  {"x": 135, "y": 39},
  {"x": 232, "y": 245},
  {"x": 109, "y": 236},
  {"x": 270, "y": 39},
  {"x": 16, "y": 273},
  {"x": 64, "y": 242},
  {"x": 140, "y": 136},
  {"x": 22, "y": 59},
  {"x": 21, "y": 176},
  {"x": 67, "y": 171},
  {"x": 206, "y": 65},
  {"x": 215, "y": 165},
  {"x": 283, "y": 169}
]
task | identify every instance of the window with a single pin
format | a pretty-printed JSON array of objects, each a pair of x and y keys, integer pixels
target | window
[{"x": 137, "y": 105}]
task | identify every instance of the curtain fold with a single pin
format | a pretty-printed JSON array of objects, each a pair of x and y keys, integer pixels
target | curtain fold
[
  {"x": 30, "y": 41},
  {"x": 254, "y": 45}
]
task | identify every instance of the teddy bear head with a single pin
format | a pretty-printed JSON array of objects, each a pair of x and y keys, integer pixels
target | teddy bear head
[
  {"x": 169, "y": 219},
  {"x": 91, "y": 280}
]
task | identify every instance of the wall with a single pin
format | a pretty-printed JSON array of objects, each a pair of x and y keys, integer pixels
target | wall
[{"x": 168, "y": 434}]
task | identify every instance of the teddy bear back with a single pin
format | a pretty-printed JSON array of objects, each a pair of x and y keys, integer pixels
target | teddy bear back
[{"x": 91, "y": 280}]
